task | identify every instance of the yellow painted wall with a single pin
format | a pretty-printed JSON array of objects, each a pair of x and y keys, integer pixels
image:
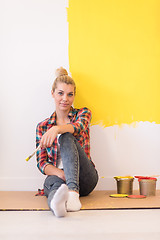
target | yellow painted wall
[{"x": 114, "y": 57}]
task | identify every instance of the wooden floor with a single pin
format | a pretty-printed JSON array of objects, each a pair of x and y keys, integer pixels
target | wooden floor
[{"x": 96, "y": 200}]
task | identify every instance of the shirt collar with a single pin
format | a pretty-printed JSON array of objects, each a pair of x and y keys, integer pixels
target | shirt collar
[
  {"x": 53, "y": 117},
  {"x": 71, "y": 113}
]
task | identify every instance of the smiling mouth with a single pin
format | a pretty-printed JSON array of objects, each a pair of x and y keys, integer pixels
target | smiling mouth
[{"x": 64, "y": 104}]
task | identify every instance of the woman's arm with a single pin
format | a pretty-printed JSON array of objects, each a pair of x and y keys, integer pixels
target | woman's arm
[
  {"x": 41, "y": 154},
  {"x": 49, "y": 137},
  {"x": 52, "y": 170},
  {"x": 82, "y": 121}
]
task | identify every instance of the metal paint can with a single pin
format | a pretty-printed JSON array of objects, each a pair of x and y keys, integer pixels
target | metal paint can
[
  {"x": 124, "y": 185},
  {"x": 147, "y": 187}
]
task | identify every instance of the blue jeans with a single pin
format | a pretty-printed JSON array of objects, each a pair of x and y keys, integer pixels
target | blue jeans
[{"x": 80, "y": 173}]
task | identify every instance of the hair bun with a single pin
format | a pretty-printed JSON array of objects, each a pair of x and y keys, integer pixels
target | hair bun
[{"x": 60, "y": 72}]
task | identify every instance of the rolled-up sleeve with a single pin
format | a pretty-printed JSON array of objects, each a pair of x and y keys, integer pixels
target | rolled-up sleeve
[
  {"x": 41, "y": 154},
  {"x": 82, "y": 121}
]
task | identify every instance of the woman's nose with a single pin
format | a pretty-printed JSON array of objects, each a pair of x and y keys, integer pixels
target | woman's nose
[{"x": 64, "y": 97}]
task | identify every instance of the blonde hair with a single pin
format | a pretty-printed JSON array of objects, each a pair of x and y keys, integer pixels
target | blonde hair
[{"x": 62, "y": 77}]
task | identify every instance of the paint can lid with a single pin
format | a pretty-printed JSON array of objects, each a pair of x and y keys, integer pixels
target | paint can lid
[
  {"x": 123, "y": 177},
  {"x": 118, "y": 195},
  {"x": 140, "y": 179},
  {"x": 145, "y": 178},
  {"x": 136, "y": 196}
]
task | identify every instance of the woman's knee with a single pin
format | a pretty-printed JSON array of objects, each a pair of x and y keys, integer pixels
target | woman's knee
[{"x": 66, "y": 137}]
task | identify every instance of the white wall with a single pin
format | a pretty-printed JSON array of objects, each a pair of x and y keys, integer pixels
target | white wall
[
  {"x": 126, "y": 150},
  {"x": 33, "y": 43}
]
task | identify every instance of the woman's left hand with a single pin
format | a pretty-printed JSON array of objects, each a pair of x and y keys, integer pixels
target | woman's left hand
[{"x": 49, "y": 137}]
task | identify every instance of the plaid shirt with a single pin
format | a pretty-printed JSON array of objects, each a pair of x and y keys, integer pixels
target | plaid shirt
[{"x": 80, "y": 120}]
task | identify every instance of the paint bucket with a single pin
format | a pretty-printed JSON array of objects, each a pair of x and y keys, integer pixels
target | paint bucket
[
  {"x": 124, "y": 185},
  {"x": 147, "y": 186}
]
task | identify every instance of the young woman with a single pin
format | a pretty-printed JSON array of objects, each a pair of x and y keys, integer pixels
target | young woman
[{"x": 64, "y": 155}]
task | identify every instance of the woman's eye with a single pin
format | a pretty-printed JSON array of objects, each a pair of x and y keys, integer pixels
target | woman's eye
[
  {"x": 60, "y": 93},
  {"x": 70, "y": 94}
]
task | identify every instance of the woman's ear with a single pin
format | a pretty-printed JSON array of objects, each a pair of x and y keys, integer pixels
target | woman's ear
[{"x": 52, "y": 93}]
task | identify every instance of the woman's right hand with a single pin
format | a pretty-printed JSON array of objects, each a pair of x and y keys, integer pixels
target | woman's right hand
[{"x": 49, "y": 137}]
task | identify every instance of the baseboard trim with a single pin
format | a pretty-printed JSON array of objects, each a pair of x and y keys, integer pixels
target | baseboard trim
[
  {"x": 32, "y": 184},
  {"x": 21, "y": 184}
]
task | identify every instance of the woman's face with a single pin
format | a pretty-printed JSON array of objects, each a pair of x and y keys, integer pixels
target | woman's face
[{"x": 63, "y": 96}]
